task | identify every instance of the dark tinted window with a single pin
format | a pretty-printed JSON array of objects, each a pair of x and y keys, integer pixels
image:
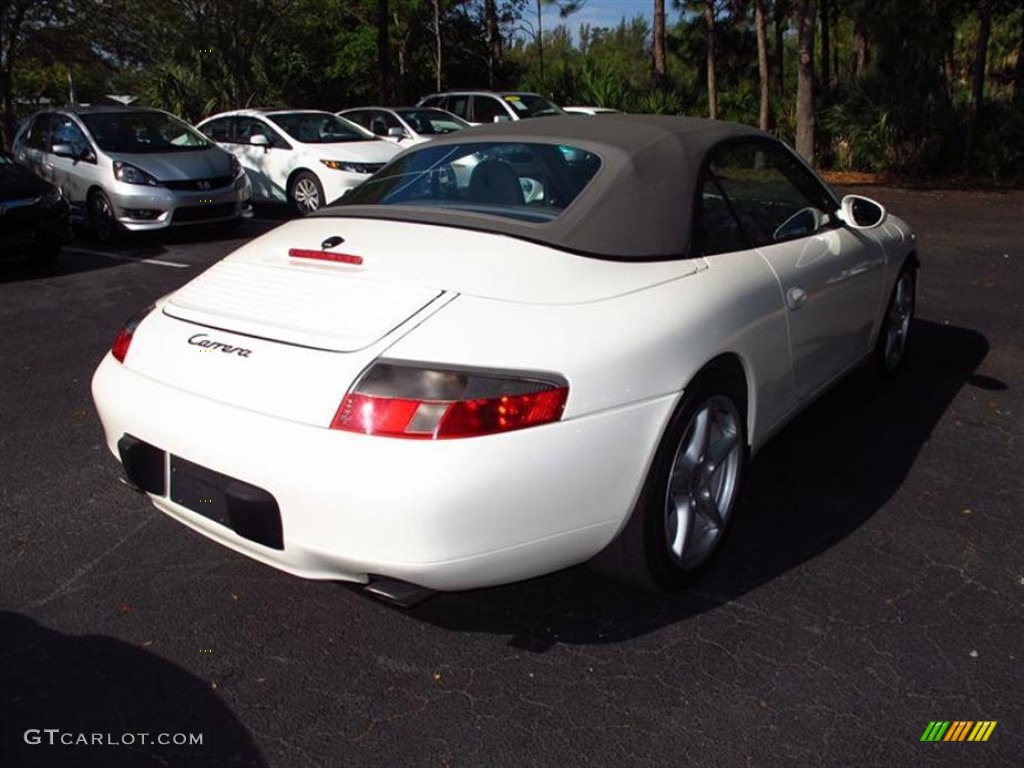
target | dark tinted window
[
  {"x": 36, "y": 136},
  {"x": 458, "y": 105},
  {"x": 432, "y": 121},
  {"x": 486, "y": 108},
  {"x": 756, "y": 193},
  {"x": 220, "y": 130}
]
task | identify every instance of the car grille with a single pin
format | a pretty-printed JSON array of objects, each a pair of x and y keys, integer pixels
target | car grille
[
  {"x": 199, "y": 185},
  {"x": 193, "y": 213}
]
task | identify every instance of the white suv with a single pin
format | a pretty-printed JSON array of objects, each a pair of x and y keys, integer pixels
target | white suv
[
  {"x": 478, "y": 107},
  {"x": 307, "y": 158}
]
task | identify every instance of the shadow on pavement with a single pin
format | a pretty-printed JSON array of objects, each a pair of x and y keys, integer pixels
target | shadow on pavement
[
  {"x": 98, "y": 685},
  {"x": 812, "y": 486}
]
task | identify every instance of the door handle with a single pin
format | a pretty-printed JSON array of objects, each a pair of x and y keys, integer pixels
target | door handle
[{"x": 795, "y": 297}]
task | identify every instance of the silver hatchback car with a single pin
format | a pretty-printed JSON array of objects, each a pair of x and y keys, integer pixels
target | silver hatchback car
[{"x": 133, "y": 169}]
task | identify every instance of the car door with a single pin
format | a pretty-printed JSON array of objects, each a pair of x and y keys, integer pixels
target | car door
[
  {"x": 30, "y": 149},
  {"x": 830, "y": 277},
  {"x": 268, "y": 165},
  {"x": 76, "y": 174}
]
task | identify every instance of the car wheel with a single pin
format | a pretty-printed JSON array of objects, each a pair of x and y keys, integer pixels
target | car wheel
[
  {"x": 305, "y": 193},
  {"x": 101, "y": 217},
  {"x": 891, "y": 346},
  {"x": 687, "y": 502}
]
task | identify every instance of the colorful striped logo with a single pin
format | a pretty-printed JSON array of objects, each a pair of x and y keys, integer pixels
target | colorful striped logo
[{"x": 958, "y": 730}]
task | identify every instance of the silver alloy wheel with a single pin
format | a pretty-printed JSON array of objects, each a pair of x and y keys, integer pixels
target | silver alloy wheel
[
  {"x": 897, "y": 321},
  {"x": 306, "y": 194},
  {"x": 703, "y": 482},
  {"x": 101, "y": 216}
]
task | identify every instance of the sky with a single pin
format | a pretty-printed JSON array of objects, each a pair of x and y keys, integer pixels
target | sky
[{"x": 600, "y": 13}]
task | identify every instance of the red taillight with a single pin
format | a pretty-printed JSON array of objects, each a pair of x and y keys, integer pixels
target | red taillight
[
  {"x": 124, "y": 337},
  {"x": 341, "y": 258},
  {"x": 408, "y": 402}
]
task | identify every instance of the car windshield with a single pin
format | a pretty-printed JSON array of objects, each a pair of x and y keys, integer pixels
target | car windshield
[
  {"x": 530, "y": 182},
  {"x": 531, "y": 105},
  {"x": 319, "y": 127},
  {"x": 143, "y": 133},
  {"x": 430, "y": 122}
]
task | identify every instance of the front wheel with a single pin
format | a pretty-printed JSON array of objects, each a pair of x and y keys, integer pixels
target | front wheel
[
  {"x": 691, "y": 491},
  {"x": 101, "y": 217},
  {"x": 305, "y": 193}
]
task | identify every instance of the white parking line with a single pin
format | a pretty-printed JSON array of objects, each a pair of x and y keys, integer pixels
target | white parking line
[{"x": 159, "y": 262}]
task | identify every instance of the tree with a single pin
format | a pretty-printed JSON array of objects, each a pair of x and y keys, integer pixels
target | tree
[
  {"x": 764, "y": 117},
  {"x": 660, "y": 78},
  {"x": 804, "y": 17},
  {"x": 709, "y": 20}
]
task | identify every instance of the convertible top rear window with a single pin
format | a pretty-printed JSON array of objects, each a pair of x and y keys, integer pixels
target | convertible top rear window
[{"x": 525, "y": 181}]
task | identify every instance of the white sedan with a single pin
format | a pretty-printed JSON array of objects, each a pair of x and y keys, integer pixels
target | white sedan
[
  {"x": 303, "y": 157},
  {"x": 571, "y": 357}
]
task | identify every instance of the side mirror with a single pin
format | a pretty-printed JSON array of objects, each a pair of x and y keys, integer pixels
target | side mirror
[
  {"x": 396, "y": 133},
  {"x": 67, "y": 150},
  {"x": 502, "y": 119},
  {"x": 859, "y": 212},
  {"x": 259, "y": 140}
]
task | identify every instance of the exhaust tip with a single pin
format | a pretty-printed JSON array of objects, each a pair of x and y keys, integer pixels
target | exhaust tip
[{"x": 400, "y": 593}]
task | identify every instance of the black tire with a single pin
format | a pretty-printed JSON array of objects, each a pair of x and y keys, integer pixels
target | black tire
[
  {"x": 894, "y": 332},
  {"x": 102, "y": 221},
  {"x": 653, "y": 550},
  {"x": 305, "y": 194}
]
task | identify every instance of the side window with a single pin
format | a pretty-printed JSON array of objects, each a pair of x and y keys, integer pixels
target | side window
[
  {"x": 486, "y": 108},
  {"x": 219, "y": 130},
  {"x": 248, "y": 127},
  {"x": 381, "y": 122},
  {"x": 36, "y": 137},
  {"x": 361, "y": 117},
  {"x": 459, "y": 105},
  {"x": 64, "y": 131},
  {"x": 768, "y": 194}
]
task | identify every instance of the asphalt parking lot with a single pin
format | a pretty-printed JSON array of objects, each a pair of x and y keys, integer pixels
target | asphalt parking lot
[{"x": 873, "y": 583}]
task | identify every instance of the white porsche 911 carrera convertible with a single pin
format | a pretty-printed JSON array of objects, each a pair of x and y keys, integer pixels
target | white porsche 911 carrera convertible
[{"x": 511, "y": 350}]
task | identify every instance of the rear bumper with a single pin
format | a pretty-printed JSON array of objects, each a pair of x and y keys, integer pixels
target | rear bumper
[{"x": 447, "y": 515}]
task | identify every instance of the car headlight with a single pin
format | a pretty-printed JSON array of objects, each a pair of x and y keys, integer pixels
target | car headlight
[
  {"x": 129, "y": 174},
  {"x": 345, "y": 165}
]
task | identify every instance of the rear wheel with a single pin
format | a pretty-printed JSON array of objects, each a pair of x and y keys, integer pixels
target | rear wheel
[
  {"x": 891, "y": 346},
  {"x": 690, "y": 494},
  {"x": 305, "y": 193}
]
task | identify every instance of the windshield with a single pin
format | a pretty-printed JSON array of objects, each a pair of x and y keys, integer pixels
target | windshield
[
  {"x": 529, "y": 182},
  {"x": 319, "y": 127},
  {"x": 429, "y": 122},
  {"x": 531, "y": 105},
  {"x": 142, "y": 133}
]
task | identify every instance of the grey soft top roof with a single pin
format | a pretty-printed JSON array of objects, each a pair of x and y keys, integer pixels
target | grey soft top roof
[{"x": 638, "y": 205}]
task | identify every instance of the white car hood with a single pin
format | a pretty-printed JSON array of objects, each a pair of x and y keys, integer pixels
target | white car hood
[{"x": 260, "y": 290}]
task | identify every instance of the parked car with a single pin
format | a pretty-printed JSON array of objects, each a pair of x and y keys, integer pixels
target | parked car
[
  {"x": 306, "y": 158},
  {"x": 452, "y": 387},
  {"x": 126, "y": 168},
  {"x": 591, "y": 111},
  {"x": 479, "y": 107},
  {"x": 405, "y": 125},
  {"x": 34, "y": 216}
]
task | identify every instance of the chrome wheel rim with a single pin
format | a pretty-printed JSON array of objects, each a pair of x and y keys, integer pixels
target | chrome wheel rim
[
  {"x": 703, "y": 482},
  {"x": 897, "y": 321},
  {"x": 306, "y": 195},
  {"x": 102, "y": 217}
]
